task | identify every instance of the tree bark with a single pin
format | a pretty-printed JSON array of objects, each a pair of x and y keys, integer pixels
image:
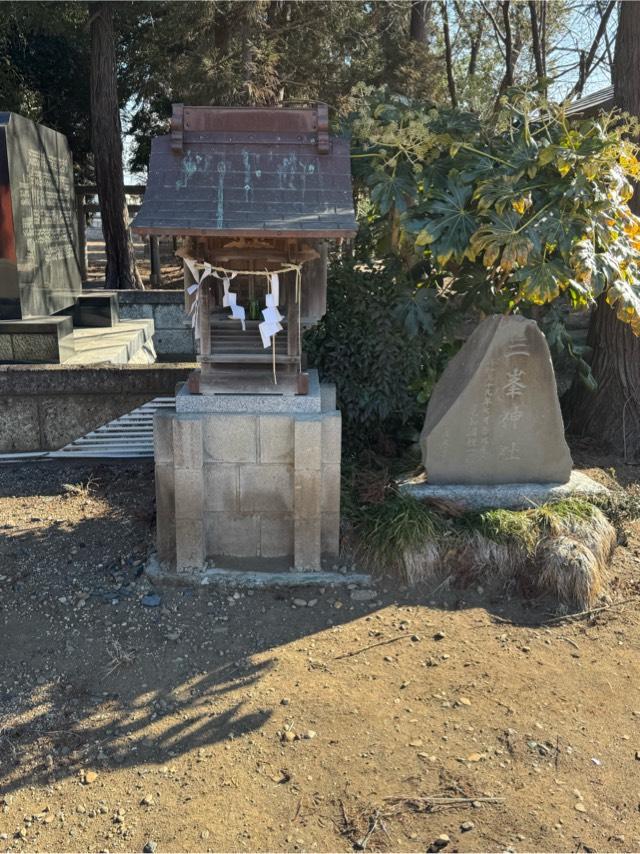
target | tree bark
[
  {"x": 106, "y": 143},
  {"x": 420, "y": 14},
  {"x": 536, "y": 41},
  {"x": 611, "y": 414},
  {"x": 451, "y": 81}
]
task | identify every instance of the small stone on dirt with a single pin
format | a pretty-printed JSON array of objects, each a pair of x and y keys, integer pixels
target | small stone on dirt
[
  {"x": 89, "y": 777},
  {"x": 288, "y": 735},
  {"x": 439, "y": 636},
  {"x": 300, "y": 603},
  {"x": 466, "y": 826},
  {"x": 580, "y": 807},
  {"x": 308, "y": 733},
  {"x": 150, "y": 847},
  {"x": 151, "y": 600},
  {"x": 363, "y": 595},
  {"x": 147, "y": 801}
]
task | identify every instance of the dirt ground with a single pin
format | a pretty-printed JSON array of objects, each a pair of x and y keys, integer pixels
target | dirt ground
[{"x": 125, "y": 724}]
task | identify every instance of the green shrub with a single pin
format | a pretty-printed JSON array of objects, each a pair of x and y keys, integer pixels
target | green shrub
[{"x": 364, "y": 345}]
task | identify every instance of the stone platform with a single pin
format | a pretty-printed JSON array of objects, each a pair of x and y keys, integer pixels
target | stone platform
[
  {"x": 248, "y": 489},
  {"x": 506, "y": 496},
  {"x": 312, "y": 403},
  {"x": 260, "y": 579}
]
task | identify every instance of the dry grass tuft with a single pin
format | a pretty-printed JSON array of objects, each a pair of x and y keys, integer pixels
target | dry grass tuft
[
  {"x": 569, "y": 571},
  {"x": 559, "y": 550}
]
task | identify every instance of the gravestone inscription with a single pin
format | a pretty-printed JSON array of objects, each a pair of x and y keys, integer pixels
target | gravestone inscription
[
  {"x": 39, "y": 262},
  {"x": 494, "y": 415}
]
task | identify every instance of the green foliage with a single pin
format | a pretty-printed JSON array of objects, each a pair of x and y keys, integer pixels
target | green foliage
[
  {"x": 44, "y": 69},
  {"x": 399, "y": 524},
  {"x": 525, "y": 206},
  {"x": 364, "y": 345}
]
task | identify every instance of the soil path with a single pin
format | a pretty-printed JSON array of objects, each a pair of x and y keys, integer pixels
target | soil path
[{"x": 180, "y": 709}]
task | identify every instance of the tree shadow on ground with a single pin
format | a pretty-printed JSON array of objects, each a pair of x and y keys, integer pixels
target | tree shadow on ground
[{"x": 90, "y": 677}]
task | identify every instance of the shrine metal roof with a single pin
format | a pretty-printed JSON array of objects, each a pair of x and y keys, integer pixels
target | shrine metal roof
[
  {"x": 248, "y": 171},
  {"x": 594, "y": 103}
]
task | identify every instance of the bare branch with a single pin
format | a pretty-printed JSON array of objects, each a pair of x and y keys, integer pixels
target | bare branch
[{"x": 586, "y": 65}]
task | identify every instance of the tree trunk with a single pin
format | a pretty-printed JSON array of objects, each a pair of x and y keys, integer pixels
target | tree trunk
[
  {"x": 106, "y": 143},
  {"x": 451, "y": 81},
  {"x": 611, "y": 414},
  {"x": 420, "y": 14}
]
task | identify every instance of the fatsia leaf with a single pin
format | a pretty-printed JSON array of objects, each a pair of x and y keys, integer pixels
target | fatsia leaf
[
  {"x": 450, "y": 223},
  {"x": 542, "y": 280},
  {"x": 501, "y": 243},
  {"x": 624, "y": 297}
]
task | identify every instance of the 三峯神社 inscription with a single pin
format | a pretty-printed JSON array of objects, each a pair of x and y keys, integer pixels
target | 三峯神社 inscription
[
  {"x": 39, "y": 269},
  {"x": 494, "y": 416}
]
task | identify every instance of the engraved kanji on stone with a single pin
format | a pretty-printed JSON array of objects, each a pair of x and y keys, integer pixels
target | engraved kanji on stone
[{"x": 514, "y": 387}]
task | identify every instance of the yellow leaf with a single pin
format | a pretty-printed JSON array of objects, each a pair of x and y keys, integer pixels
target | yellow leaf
[{"x": 424, "y": 238}]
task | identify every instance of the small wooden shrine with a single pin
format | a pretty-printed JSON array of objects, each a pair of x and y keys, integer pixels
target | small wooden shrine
[{"x": 255, "y": 194}]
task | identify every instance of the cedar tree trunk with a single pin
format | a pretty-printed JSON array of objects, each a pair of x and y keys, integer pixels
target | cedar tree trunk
[
  {"x": 106, "y": 142},
  {"x": 611, "y": 413}
]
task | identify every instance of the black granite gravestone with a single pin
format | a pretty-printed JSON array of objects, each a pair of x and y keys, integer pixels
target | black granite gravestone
[{"x": 39, "y": 264}]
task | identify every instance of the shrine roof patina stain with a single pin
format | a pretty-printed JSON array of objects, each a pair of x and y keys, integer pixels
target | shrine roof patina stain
[{"x": 267, "y": 172}]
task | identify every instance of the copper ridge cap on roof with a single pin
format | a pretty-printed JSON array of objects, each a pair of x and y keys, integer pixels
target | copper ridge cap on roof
[{"x": 304, "y": 121}]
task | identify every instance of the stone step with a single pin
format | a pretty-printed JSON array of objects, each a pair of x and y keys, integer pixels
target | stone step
[
  {"x": 94, "y": 309},
  {"x": 37, "y": 340},
  {"x": 129, "y": 342}
]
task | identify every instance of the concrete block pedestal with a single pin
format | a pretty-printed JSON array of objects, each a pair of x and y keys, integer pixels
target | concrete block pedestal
[{"x": 248, "y": 489}]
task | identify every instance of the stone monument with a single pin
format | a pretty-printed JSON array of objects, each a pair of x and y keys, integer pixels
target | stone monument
[
  {"x": 39, "y": 262},
  {"x": 494, "y": 415},
  {"x": 44, "y": 314}
]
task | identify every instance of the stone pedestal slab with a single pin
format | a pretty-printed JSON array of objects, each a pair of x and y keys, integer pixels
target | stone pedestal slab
[{"x": 248, "y": 489}]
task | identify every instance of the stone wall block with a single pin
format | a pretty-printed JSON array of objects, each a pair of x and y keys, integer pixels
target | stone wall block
[
  {"x": 165, "y": 514},
  {"x": 327, "y": 397},
  {"x": 307, "y": 543},
  {"x": 231, "y": 438},
  {"x": 308, "y": 494},
  {"x": 233, "y": 534},
  {"x": 189, "y": 544},
  {"x": 276, "y": 536},
  {"x": 188, "y": 486},
  {"x": 221, "y": 486},
  {"x": 187, "y": 442},
  {"x": 308, "y": 444},
  {"x": 169, "y": 316},
  {"x": 266, "y": 488},
  {"x": 331, "y": 439},
  {"x": 331, "y": 488},
  {"x": 276, "y": 439},
  {"x": 330, "y": 537},
  {"x": 163, "y": 435}
]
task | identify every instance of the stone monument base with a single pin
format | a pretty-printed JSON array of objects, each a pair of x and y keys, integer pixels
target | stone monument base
[
  {"x": 246, "y": 489},
  {"x": 505, "y": 496}
]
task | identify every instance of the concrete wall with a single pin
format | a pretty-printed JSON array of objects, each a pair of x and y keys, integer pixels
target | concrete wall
[
  {"x": 173, "y": 337},
  {"x": 43, "y": 407}
]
